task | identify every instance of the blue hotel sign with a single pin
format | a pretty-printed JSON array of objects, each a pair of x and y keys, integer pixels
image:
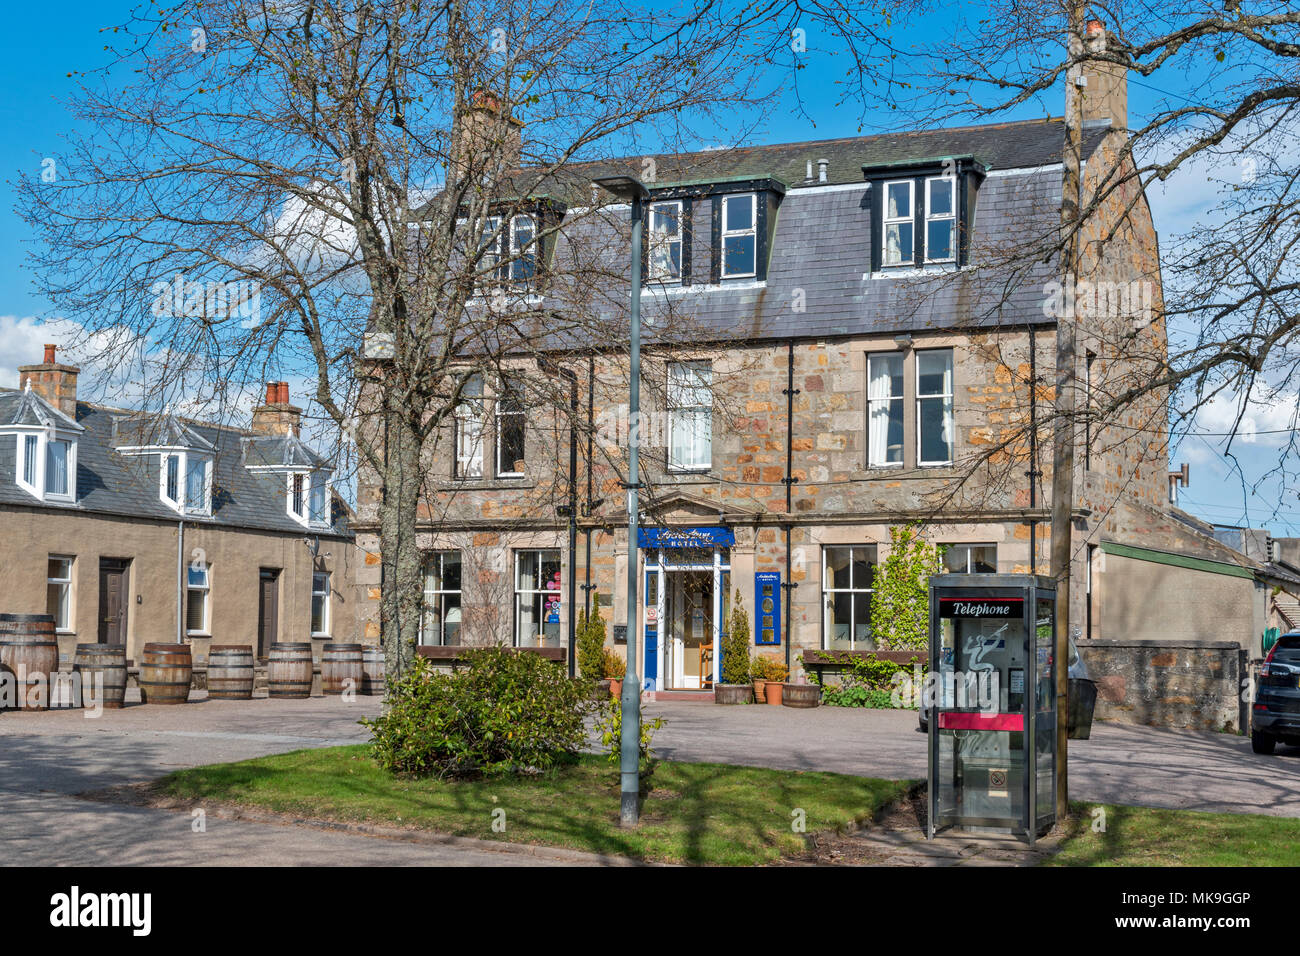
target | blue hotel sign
[
  {"x": 767, "y": 598},
  {"x": 708, "y": 537}
]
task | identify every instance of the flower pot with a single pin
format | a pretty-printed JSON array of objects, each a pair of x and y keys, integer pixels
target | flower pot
[
  {"x": 758, "y": 691},
  {"x": 801, "y": 695},
  {"x": 602, "y": 688},
  {"x": 732, "y": 693},
  {"x": 616, "y": 686},
  {"x": 772, "y": 692}
]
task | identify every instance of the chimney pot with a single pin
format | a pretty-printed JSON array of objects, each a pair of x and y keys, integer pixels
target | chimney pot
[
  {"x": 1096, "y": 28},
  {"x": 284, "y": 393},
  {"x": 50, "y": 350},
  {"x": 272, "y": 392},
  {"x": 822, "y": 165}
]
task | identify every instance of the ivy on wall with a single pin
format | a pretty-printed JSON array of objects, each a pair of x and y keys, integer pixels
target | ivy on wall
[{"x": 900, "y": 606}]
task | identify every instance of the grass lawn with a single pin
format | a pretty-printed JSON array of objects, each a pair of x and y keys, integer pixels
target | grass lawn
[
  {"x": 1139, "y": 836},
  {"x": 694, "y": 812}
]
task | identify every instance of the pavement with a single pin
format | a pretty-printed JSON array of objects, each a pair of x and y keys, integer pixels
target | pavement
[{"x": 47, "y": 758}]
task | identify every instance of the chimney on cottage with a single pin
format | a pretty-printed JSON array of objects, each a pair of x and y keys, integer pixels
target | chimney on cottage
[
  {"x": 276, "y": 416},
  {"x": 487, "y": 130},
  {"x": 53, "y": 381},
  {"x": 1106, "y": 95}
]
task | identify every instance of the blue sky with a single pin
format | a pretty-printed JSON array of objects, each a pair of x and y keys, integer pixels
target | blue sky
[{"x": 37, "y": 50}]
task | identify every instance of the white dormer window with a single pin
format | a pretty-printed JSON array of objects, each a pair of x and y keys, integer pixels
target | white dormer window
[
  {"x": 47, "y": 465},
  {"x": 308, "y": 499},
  {"x": 185, "y": 482},
  {"x": 739, "y": 236}
]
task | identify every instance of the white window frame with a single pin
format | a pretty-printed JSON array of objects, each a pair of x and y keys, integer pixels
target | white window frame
[
  {"x": 738, "y": 233},
  {"x": 967, "y": 545},
  {"x": 520, "y": 413},
  {"x": 886, "y": 220},
  {"x": 887, "y": 401},
  {"x": 663, "y": 241},
  {"x": 470, "y": 421},
  {"x": 702, "y": 449},
  {"x": 828, "y": 590},
  {"x": 537, "y": 588},
  {"x": 516, "y": 251},
  {"x": 432, "y": 595},
  {"x": 325, "y": 604},
  {"x": 181, "y": 503},
  {"x": 947, "y": 217},
  {"x": 33, "y": 459},
  {"x": 66, "y": 593},
  {"x": 206, "y": 589},
  {"x": 949, "y": 396},
  {"x": 310, "y": 480}
]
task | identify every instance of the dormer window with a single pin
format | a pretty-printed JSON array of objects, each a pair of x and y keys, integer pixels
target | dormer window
[
  {"x": 509, "y": 250},
  {"x": 47, "y": 462},
  {"x": 308, "y": 498},
  {"x": 739, "y": 236},
  {"x": 898, "y": 223},
  {"x": 921, "y": 215},
  {"x": 185, "y": 482},
  {"x": 665, "y": 241}
]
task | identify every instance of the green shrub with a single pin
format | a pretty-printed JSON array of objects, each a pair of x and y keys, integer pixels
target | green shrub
[
  {"x": 613, "y": 666},
  {"x": 609, "y": 724},
  {"x": 766, "y": 667},
  {"x": 505, "y": 712},
  {"x": 591, "y": 643},
  {"x": 869, "y": 681},
  {"x": 735, "y": 644}
]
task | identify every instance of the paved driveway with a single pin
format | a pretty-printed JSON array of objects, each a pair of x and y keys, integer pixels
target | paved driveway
[
  {"x": 45, "y": 758},
  {"x": 1119, "y": 764}
]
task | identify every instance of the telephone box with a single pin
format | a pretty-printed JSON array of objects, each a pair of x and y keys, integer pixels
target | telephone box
[{"x": 991, "y": 703}]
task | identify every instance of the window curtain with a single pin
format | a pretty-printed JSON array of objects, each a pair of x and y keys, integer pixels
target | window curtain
[
  {"x": 56, "y": 467},
  {"x": 878, "y": 395}
]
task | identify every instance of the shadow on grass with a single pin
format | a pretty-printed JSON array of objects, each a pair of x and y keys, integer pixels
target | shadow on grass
[{"x": 690, "y": 813}]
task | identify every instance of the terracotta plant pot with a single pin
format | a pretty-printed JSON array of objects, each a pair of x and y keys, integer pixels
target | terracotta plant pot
[
  {"x": 616, "y": 686},
  {"x": 772, "y": 692},
  {"x": 732, "y": 693},
  {"x": 758, "y": 691}
]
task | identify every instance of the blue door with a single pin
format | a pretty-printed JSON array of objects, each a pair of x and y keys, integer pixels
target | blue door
[{"x": 651, "y": 592}]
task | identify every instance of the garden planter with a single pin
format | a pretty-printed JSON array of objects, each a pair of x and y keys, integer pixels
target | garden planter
[
  {"x": 759, "y": 696},
  {"x": 602, "y": 688},
  {"x": 772, "y": 692},
  {"x": 801, "y": 695},
  {"x": 616, "y": 686},
  {"x": 732, "y": 693}
]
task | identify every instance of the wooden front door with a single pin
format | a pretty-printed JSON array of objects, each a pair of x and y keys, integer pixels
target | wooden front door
[
  {"x": 114, "y": 600},
  {"x": 268, "y": 610}
]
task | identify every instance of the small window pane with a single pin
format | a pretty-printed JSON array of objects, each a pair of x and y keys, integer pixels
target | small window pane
[
  {"x": 934, "y": 372},
  {"x": 29, "y": 459},
  {"x": 940, "y": 198},
  {"x": 738, "y": 255},
  {"x": 898, "y": 242},
  {"x": 173, "y": 478},
  {"x": 739, "y": 213},
  {"x": 195, "y": 611},
  {"x": 898, "y": 202},
  {"x": 938, "y": 239},
  {"x": 56, "y": 468},
  {"x": 195, "y": 472},
  {"x": 935, "y": 422},
  {"x": 197, "y": 576},
  {"x": 839, "y": 568}
]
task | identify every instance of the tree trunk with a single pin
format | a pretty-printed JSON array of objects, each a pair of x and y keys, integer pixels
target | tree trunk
[{"x": 401, "y": 592}]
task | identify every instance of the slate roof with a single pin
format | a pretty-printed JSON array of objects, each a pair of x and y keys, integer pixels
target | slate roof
[
  {"x": 116, "y": 484},
  {"x": 31, "y": 410},
  {"x": 820, "y": 251}
]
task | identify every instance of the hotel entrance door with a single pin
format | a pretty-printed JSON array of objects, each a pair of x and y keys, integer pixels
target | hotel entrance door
[{"x": 688, "y": 631}]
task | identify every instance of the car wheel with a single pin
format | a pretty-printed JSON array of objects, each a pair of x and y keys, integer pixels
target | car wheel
[{"x": 1261, "y": 743}]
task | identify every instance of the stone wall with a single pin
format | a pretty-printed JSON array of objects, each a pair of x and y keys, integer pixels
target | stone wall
[{"x": 1183, "y": 686}]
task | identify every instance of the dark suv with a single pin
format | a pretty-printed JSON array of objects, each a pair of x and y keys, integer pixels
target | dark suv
[{"x": 1276, "y": 714}]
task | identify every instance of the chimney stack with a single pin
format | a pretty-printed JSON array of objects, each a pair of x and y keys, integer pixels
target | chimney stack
[
  {"x": 1106, "y": 95},
  {"x": 277, "y": 416},
  {"x": 822, "y": 166},
  {"x": 53, "y": 381},
  {"x": 489, "y": 132}
]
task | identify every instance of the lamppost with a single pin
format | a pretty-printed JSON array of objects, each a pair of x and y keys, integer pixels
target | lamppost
[{"x": 629, "y": 190}]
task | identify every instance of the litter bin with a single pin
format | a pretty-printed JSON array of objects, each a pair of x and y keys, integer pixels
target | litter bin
[{"x": 1083, "y": 699}]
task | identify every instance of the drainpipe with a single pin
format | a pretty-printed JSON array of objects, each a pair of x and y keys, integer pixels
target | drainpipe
[
  {"x": 789, "y": 585},
  {"x": 591, "y": 413},
  {"x": 1032, "y": 473},
  {"x": 180, "y": 582}
]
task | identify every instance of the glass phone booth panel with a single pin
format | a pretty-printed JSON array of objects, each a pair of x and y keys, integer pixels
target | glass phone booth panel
[{"x": 991, "y": 702}]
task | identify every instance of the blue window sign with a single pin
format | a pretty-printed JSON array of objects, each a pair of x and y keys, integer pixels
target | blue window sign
[{"x": 767, "y": 598}]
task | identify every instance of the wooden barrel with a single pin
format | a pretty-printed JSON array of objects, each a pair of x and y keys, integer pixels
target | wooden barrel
[
  {"x": 230, "y": 672},
  {"x": 340, "y": 668},
  {"x": 165, "y": 671},
  {"x": 29, "y": 654},
  {"x": 372, "y": 672},
  {"x": 801, "y": 695},
  {"x": 288, "y": 670},
  {"x": 101, "y": 670}
]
